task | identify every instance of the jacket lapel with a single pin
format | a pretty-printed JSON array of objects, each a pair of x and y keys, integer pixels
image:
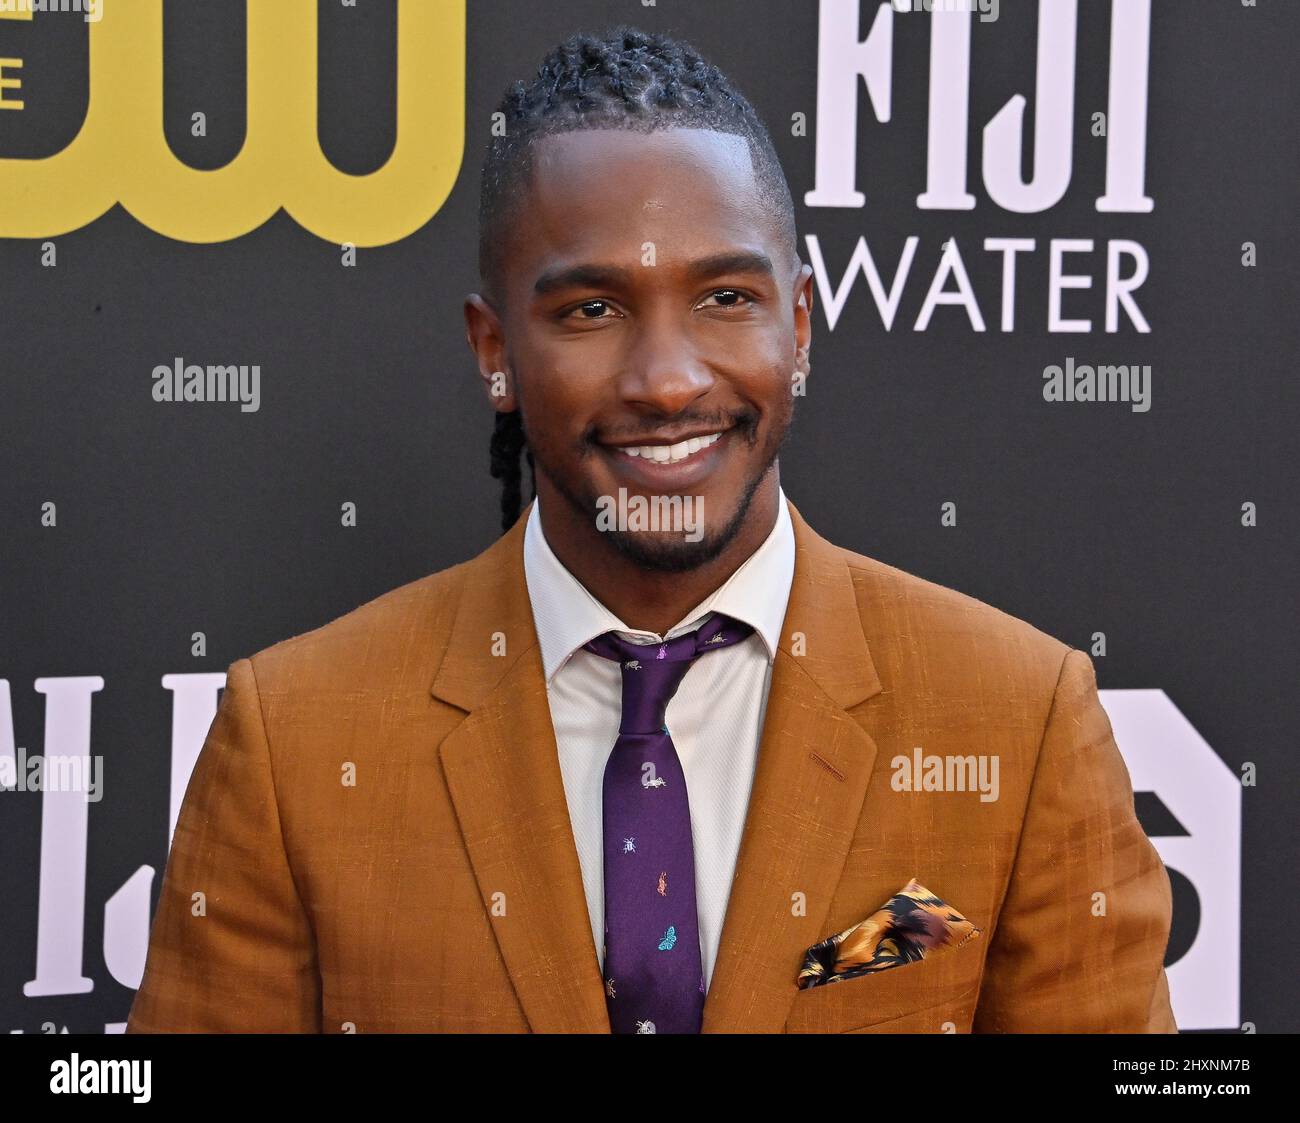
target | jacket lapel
[
  {"x": 814, "y": 765},
  {"x": 503, "y": 773}
]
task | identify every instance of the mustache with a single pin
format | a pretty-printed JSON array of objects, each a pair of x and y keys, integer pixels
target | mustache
[{"x": 744, "y": 420}]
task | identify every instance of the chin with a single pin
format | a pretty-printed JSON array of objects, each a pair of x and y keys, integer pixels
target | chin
[
  {"x": 672, "y": 551},
  {"x": 668, "y": 553}
]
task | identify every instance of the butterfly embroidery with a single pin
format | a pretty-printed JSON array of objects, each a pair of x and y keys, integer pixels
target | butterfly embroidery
[
  {"x": 663, "y": 652},
  {"x": 670, "y": 938}
]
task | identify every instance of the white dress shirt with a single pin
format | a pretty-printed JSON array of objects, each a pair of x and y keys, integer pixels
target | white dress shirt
[{"x": 716, "y": 715}]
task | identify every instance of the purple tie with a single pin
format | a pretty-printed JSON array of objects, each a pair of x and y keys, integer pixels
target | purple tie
[{"x": 654, "y": 980}]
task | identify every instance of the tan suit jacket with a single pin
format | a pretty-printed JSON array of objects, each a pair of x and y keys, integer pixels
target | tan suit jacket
[{"x": 376, "y": 838}]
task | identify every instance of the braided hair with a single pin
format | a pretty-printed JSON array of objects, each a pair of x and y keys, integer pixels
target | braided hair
[
  {"x": 623, "y": 78},
  {"x": 508, "y": 442}
]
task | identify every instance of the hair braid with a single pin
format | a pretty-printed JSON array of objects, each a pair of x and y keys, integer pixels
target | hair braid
[{"x": 508, "y": 441}]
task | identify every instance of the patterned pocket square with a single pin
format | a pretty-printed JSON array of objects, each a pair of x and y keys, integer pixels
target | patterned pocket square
[{"x": 911, "y": 925}]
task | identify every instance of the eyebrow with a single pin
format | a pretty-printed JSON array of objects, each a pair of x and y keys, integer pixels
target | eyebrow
[{"x": 610, "y": 276}]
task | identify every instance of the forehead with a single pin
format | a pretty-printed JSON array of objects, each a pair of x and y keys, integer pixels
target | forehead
[{"x": 598, "y": 195}]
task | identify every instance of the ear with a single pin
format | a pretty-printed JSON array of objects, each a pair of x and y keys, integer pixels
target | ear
[
  {"x": 486, "y": 339},
  {"x": 804, "y": 290}
]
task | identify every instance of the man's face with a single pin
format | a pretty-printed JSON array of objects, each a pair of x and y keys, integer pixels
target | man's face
[{"x": 653, "y": 328}]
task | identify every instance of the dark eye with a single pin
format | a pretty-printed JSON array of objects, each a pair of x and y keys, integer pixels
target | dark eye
[
  {"x": 591, "y": 310},
  {"x": 728, "y": 298}
]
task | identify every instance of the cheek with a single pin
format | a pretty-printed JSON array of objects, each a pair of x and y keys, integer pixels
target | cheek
[
  {"x": 552, "y": 397},
  {"x": 764, "y": 368},
  {"x": 769, "y": 384},
  {"x": 559, "y": 399}
]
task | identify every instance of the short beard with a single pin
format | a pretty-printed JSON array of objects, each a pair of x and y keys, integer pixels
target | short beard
[
  {"x": 659, "y": 554},
  {"x": 673, "y": 555}
]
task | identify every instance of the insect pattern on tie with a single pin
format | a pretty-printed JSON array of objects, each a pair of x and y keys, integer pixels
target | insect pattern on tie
[
  {"x": 632, "y": 665},
  {"x": 670, "y": 938},
  {"x": 645, "y": 1027},
  {"x": 657, "y": 782},
  {"x": 629, "y": 846},
  {"x": 663, "y": 883},
  {"x": 719, "y": 638},
  {"x": 663, "y": 651},
  {"x": 609, "y": 988}
]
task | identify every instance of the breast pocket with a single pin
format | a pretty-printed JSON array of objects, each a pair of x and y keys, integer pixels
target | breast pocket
[{"x": 919, "y": 997}]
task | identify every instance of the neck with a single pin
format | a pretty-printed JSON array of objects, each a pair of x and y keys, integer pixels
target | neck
[{"x": 648, "y": 599}]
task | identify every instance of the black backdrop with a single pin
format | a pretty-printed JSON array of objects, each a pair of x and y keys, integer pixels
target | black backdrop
[{"x": 1080, "y": 518}]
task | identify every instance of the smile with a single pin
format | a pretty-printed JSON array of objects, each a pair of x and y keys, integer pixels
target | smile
[{"x": 672, "y": 454}]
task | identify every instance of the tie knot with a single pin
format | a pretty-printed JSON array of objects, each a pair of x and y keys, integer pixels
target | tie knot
[{"x": 652, "y": 672}]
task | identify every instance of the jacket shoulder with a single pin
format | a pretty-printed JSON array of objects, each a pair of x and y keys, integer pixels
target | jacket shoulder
[
  {"x": 946, "y": 627},
  {"x": 406, "y": 627}
]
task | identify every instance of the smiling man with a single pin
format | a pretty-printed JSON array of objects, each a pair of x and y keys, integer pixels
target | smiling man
[{"x": 706, "y": 773}]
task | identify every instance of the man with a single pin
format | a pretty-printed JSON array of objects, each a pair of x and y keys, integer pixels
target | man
[{"x": 650, "y": 766}]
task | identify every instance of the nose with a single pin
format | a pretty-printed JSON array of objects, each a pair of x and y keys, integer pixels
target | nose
[{"x": 664, "y": 373}]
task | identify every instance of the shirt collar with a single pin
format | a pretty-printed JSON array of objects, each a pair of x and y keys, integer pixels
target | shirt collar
[{"x": 567, "y": 616}]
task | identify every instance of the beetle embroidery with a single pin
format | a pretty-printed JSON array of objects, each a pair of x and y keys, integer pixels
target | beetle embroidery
[
  {"x": 645, "y": 1027},
  {"x": 629, "y": 846},
  {"x": 663, "y": 884}
]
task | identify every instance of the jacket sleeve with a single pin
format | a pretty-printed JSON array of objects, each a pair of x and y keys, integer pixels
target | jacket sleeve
[
  {"x": 231, "y": 948},
  {"x": 1080, "y": 941}
]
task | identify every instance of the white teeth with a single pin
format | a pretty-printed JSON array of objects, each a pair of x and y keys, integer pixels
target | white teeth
[{"x": 671, "y": 454}]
